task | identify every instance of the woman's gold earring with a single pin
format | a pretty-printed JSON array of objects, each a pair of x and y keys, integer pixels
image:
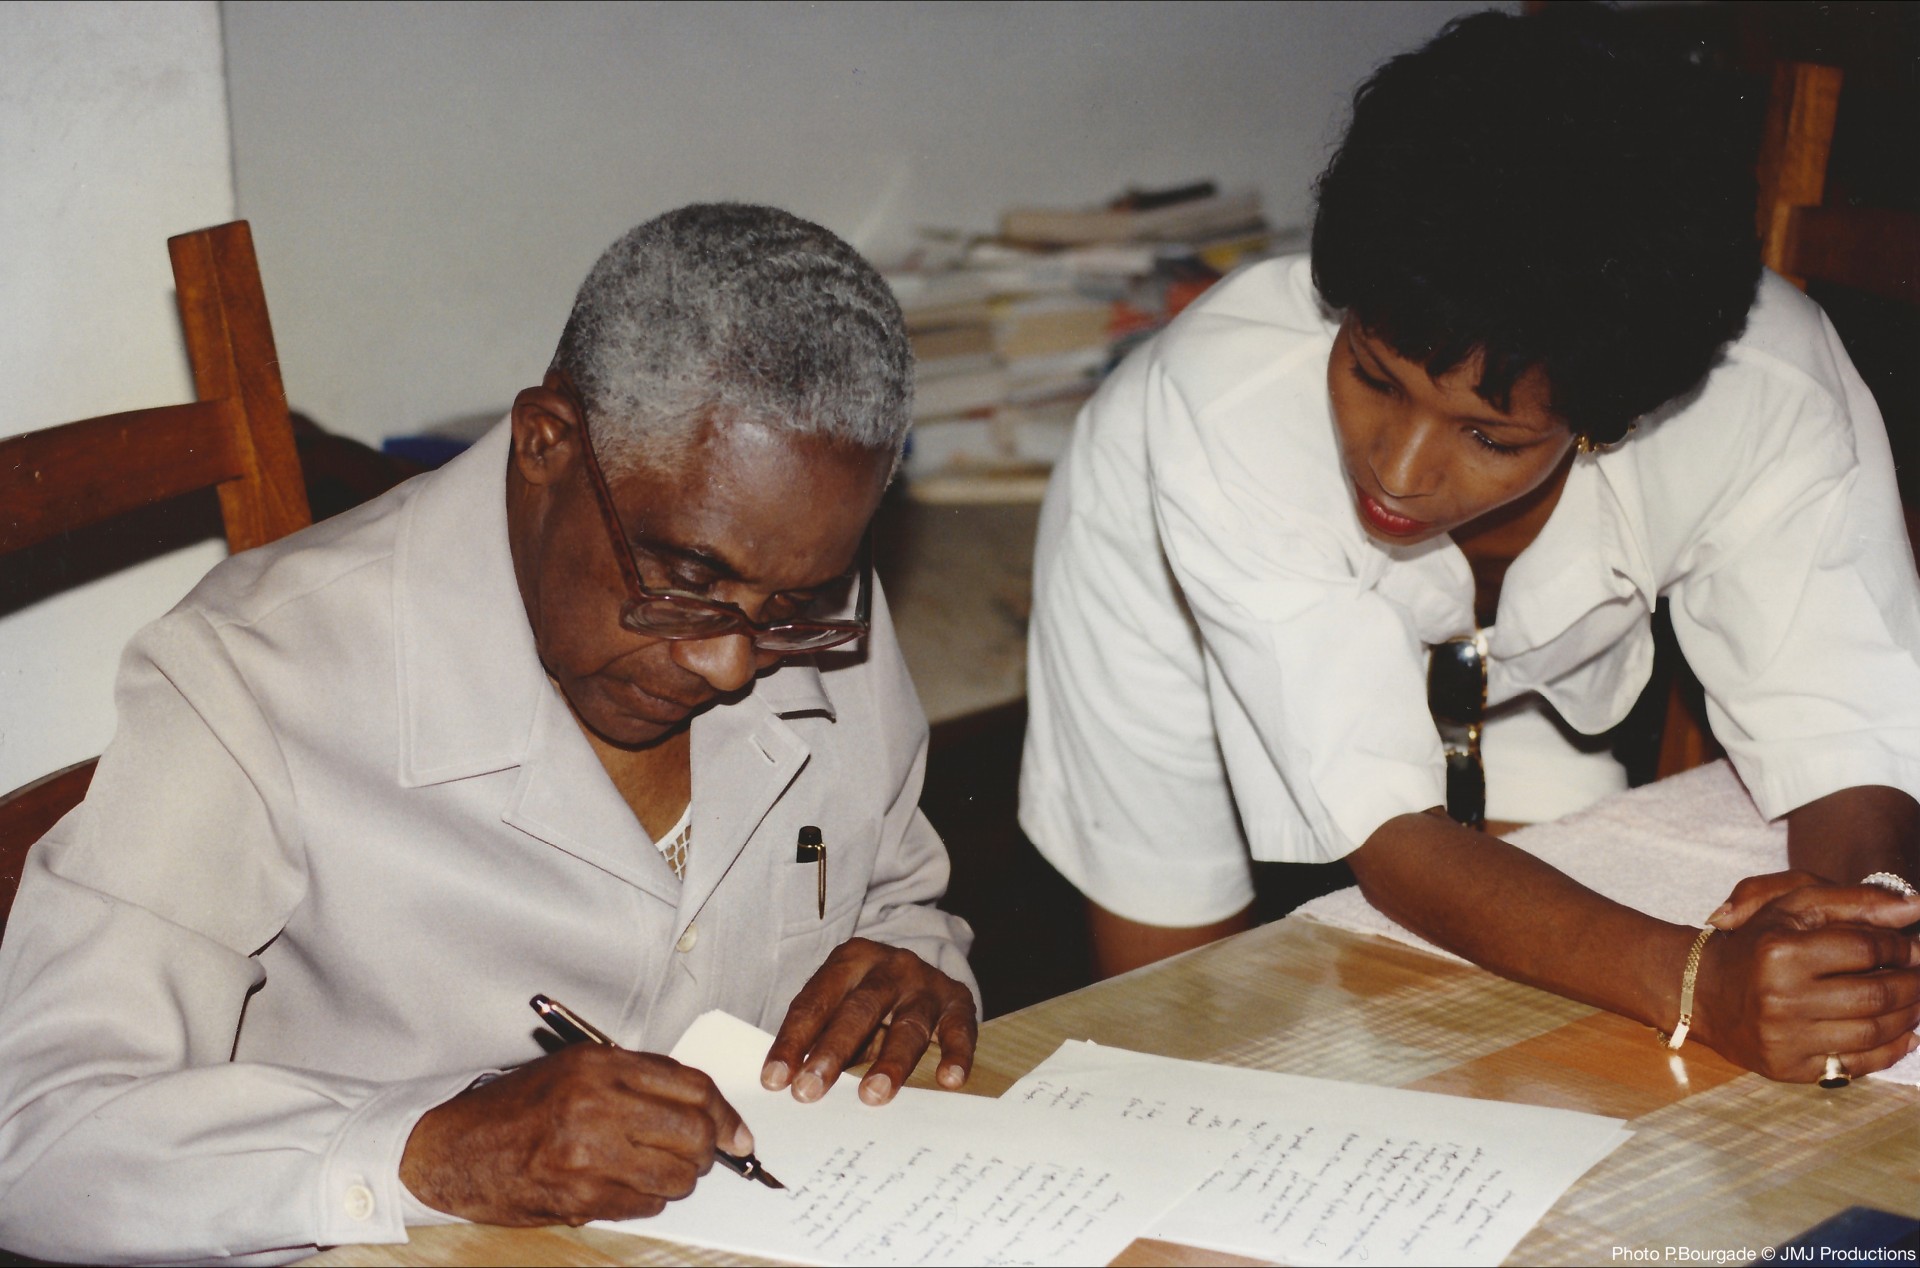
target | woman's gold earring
[{"x": 1586, "y": 447}]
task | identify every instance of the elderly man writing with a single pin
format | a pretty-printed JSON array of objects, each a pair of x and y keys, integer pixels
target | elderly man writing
[{"x": 547, "y": 720}]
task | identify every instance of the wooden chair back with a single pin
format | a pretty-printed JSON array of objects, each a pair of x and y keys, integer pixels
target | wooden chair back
[
  {"x": 234, "y": 438},
  {"x": 1867, "y": 249},
  {"x": 1871, "y": 249}
]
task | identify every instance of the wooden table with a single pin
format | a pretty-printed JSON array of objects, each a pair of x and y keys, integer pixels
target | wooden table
[{"x": 1720, "y": 1160}]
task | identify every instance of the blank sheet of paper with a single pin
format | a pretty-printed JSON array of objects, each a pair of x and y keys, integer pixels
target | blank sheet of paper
[
  {"x": 933, "y": 1178},
  {"x": 1322, "y": 1172}
]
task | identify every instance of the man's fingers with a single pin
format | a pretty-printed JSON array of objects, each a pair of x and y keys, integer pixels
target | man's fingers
[
  {"x": 872, "y": 1002},
  {"x": 954, "y": 1027},
  {"x": 664, "y": 1173},
  {"x": 957, "y": 1031},
  {"x": 907, "y": 1037},
  {"x": 670, "y": 1084},
  {"x": 806, "y": 1018},
  {"x": 860, "y": 1013}
]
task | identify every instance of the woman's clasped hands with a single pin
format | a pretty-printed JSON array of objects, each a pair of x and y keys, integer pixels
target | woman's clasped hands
[{"x": 1804, "y": 970}]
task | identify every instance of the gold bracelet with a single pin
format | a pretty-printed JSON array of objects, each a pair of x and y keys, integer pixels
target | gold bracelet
[{"x": 1687, "y": 977}]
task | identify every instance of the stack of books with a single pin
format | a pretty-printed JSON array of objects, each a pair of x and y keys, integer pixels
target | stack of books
[{"x": 1012, "y": 333}]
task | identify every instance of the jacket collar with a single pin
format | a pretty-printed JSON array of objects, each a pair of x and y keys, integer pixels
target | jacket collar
[{"x": 469, "y": 675}]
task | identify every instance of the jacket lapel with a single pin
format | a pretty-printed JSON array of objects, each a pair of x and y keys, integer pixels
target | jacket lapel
[
  {"x": 565, "y": 798},
  {"x": 744, "y": 756}
]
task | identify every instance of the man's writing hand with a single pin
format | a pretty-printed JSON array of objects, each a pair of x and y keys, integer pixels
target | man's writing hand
[
  {"x": 587, "y": 1133},
  {"x": 1817, "y": 970},
  {"x": 873, "y": 1002}
]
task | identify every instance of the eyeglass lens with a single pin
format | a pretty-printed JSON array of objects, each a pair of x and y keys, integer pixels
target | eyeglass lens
[{"x": 665, "y": 617}]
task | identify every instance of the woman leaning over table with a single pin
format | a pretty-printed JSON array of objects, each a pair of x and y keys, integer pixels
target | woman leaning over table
[{"x": 1525, "y": 387}]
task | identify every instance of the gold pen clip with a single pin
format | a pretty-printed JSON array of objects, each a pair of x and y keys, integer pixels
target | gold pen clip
[{"x": 813, "y": 849}]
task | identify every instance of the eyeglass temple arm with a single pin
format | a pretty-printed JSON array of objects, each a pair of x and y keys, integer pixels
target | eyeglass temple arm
[
  {"x": 863, "y": 606},
  {"x": 603, "y": 496}
]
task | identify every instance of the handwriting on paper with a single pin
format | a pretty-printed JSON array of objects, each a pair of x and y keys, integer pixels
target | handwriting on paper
[
  {"x": 863, "y": 1204},
  {"x": 1342, "y": 1195},
  {"x": 1334, "y": 1173},
  {"x": 933, "y": 1178}
]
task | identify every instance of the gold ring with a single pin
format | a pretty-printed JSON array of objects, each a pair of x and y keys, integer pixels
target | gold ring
[{"x": 1834, "y": 1075}]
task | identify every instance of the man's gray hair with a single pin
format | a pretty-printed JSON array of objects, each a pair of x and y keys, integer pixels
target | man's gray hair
[{"x": 742, "y": 314}]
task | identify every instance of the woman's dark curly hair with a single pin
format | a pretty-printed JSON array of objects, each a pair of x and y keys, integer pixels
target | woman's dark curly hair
[{"x": 1558, "y": 191}]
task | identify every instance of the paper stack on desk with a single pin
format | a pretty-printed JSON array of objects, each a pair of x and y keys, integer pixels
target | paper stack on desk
[{"x": 1099, "y": 1146}]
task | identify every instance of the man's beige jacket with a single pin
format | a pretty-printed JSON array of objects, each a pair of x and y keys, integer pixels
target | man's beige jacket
[{"x": 345, "y": 830}]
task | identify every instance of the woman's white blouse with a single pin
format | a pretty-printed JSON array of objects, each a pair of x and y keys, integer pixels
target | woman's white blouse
[{"x": 1224, "y": 662}]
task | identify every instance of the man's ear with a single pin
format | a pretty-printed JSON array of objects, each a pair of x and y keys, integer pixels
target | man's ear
[{"x": 548, "y": 429}]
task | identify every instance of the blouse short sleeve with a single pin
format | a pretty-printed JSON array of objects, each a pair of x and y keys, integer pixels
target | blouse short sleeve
[
  {"x": 1315, "y": 678},
  {"x": 1798, "y": 605}
]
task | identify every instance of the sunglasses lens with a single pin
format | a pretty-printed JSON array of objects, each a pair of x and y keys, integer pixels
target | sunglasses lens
[
  {"x": 1456, "y": 683},
  {"x": 1466, "y": 788}
]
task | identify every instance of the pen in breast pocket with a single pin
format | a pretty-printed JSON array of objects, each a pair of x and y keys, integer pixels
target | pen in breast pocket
[
  {"x": 812, "y": 848},
  {"x": 573, "y": 1028}
]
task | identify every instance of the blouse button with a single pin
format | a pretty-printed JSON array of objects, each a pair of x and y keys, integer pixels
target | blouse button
[
  {"x": 688, "y": 939},
  {"x": 359, "y": 1202}
]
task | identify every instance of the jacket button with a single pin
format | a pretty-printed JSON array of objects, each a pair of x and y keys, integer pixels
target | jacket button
[
  {"x": 688, "y": 939},
  {"x": 359, "y": 1202}
]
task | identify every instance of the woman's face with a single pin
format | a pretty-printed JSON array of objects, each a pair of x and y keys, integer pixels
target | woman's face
[{"x": 1427, "y": 456}]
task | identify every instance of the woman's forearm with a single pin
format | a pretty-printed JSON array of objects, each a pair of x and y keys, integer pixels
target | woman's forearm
[
  {"x": 1507, "y": 911},
  {"x": 1855, "y": 832}
]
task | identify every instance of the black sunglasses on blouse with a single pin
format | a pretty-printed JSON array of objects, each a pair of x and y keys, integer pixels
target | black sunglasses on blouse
[{"x": 1457, "y": 698}]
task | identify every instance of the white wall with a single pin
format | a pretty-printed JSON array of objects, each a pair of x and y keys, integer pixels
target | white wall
[
  {"x": 113, "y": 136},
  {"x": 428, "y": 183}
]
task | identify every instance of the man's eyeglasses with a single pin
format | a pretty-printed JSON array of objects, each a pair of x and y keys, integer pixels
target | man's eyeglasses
[
  {"x": 1457, "y": 697},
  {"x": 674, "y": 614}
]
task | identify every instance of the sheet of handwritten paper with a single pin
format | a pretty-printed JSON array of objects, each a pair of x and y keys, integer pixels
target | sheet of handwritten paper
[
  {"x": 1322, "y": 1172},
  {"x": 933, "y": 1178}
]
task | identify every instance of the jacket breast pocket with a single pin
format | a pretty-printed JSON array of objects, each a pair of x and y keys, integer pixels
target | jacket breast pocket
[{"x": 821, "y": 892}]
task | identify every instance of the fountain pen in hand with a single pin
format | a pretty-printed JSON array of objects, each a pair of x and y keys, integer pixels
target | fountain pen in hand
[{"x": 571, "y": 1028}]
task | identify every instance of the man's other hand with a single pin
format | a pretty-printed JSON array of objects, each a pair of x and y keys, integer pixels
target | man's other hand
[
  {"x": 587, "y": 1133},
  {"x": 872, "y": 1002}
]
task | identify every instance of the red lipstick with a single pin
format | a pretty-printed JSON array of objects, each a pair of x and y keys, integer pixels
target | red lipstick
[{"x": 1387, "y": 522}]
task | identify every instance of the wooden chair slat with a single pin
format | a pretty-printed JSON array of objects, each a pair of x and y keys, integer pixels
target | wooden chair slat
[
  {"x": 237, "y": 439},
  {"x": 230, "y": 342},
  {"x": 1802, "y": 105},
  {"x": 81, "y": 474},
  {"x": 1870, "y": 249},
  {"x": 30, "y": 812}
]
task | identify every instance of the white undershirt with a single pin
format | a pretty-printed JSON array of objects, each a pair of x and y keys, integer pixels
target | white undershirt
[{"x": 673, "y": 847}]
